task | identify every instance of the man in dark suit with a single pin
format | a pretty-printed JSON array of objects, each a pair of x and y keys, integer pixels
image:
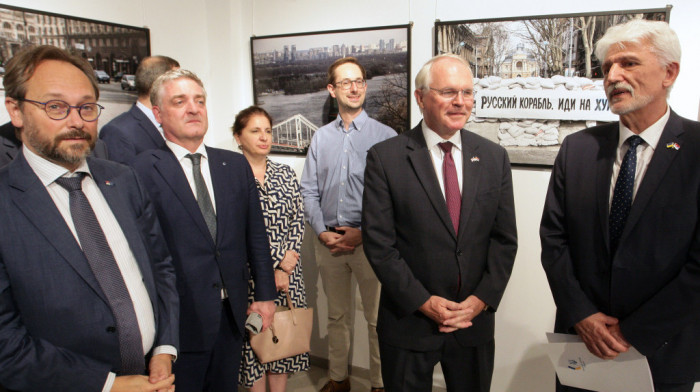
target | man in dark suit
[
  {"x": 443, "y": 251},
  {"x": 10, "y": 145},
  {"x": 87, "y": 288},
  {"x": 136, "y": 130},
  {"x": 620, "y": 233},
  {"x": 208, "y": 203}
]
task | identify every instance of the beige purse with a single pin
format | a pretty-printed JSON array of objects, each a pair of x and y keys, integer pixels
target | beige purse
[{"x": 288, "y": 335}]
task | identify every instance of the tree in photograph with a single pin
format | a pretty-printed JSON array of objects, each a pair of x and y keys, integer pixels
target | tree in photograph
[
  {"x": 548, "y": 38},
  {"x": 586, "y": 25},
  {"x": 392, "y": 104}
]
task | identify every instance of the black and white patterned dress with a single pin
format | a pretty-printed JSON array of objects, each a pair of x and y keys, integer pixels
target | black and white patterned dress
[{"x": 283, "y": 211}]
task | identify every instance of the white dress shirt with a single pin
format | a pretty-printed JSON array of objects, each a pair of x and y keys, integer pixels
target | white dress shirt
[
  {"x": 48, "y": 172},
  {"x": 432, "y": 140},
  {"x": 645, "y": 151},
  {"x": 186, "y": 164}
]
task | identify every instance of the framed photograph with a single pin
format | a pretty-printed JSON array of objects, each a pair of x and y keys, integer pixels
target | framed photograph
[
  {"x": 113, "y": 50},
  {"x": 289, "y": 79},
  {"x": 536, "y": 77}
]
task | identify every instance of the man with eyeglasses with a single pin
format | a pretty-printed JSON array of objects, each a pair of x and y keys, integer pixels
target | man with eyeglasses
[
  {"x": 332, "y": 185},
  {"x": 438, "y": 224},
  {"x": 87, "y": 290}
]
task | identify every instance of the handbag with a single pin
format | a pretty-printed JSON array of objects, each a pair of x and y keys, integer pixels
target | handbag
[{"x": 288, "y": 335}]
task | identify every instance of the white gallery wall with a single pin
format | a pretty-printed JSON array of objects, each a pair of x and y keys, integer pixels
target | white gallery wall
[{"x": 212, "y": 38}]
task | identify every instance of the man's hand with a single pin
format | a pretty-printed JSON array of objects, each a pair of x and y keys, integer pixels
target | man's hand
[
  {"x": 449, "y": 315},
  {"x": 599, "y": 332},
  {"x": 141, "y": 384},
  {"x": 350, "y": 238},
  {"x": 264, "y": 308},
  {"x": 160, "y": 368},
  {"x": 281, "y": 280},
  {"x": 289, "y": 262}
]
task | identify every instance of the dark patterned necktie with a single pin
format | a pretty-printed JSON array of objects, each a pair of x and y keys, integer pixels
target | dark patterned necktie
[
  {"x": 622, "y": 195},
  {"x": 453, "y": 197},
  {"x": 203, "y": 198},
  {"x": 105, "y": 268}
]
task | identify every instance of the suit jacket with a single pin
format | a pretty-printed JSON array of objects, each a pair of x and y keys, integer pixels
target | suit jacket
[
  {"x": 200, "y": 263},
  {"x": 56, "y": 327},
  {"x": 652, "y": 282},
  {"x": 10, "y": 145},
  {"x": 410, "y": 241},
  {"x": 129, "y": 134}
]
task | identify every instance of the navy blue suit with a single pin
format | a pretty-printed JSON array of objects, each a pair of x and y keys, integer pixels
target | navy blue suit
[
  {"x": 56, "y": 328},
  {"x": 129, "y": 134},
  {"x": 652, "y": 283},
  {"x": 241, "y": 246}
]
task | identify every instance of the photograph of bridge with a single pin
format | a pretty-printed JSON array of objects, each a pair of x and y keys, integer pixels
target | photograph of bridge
[{"x": 289, "y": 79}]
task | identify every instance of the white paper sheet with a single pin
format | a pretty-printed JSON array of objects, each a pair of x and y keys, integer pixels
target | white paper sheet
[{"x": 577, "y": 367}]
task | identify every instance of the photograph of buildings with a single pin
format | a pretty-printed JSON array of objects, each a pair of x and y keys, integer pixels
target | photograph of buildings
[{"x": 536, "y": 78}]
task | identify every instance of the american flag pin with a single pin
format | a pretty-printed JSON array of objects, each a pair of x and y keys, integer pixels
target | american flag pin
[
  {"x": 108, "y": 183},
  {"x": 475, "y": 159},
  {"x": 674, "y": 146}
]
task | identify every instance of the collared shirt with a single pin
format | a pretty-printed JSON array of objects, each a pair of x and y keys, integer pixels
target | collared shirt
[
  {"x": 645, "y": 151},
  {"x": 149, "y": 113},
  {"x": 48, "y": 172},
  {"x": 186, "y": 163},
  {"x": 334, "y": 171},
  {"x": 432, "y": 140}
]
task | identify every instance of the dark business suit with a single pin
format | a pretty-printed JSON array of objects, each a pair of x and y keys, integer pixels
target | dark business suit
[
  {"x": 200, "y": 263},
  {"x": 410, "y": 241},
  {"x": 56, "y": 327},
  {"x": 10, "y": 145},
  {"x": 129, "y": 134},
  {"x": 652, "y": 283}
]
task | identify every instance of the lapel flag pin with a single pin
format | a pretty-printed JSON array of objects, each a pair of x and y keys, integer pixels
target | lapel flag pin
[
  {"x": 475, "y": 159},
  {"x": 674, "y": 146},
  {"x": 108, "y": 183}
]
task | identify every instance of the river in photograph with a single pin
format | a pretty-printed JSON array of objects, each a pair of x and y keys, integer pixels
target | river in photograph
[{"x": 311, "y": 105}]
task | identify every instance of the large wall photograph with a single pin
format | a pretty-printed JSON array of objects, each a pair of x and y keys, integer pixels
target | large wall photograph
[
  {"x": 113, "y": 50},
  {"x": 289, "y": 79},
  {"x": 536, "y": 78}
]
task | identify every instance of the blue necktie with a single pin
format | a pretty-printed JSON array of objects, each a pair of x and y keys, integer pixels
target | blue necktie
[
  {"x": 105, "y": 268},
  {"x": 622, "y": 195}
]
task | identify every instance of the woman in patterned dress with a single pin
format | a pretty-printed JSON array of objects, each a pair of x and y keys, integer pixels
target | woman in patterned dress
[{"x": 283, "y": 210}]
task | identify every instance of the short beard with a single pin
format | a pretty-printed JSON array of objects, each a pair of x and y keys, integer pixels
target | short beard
[
  {"x": 49, "y": 149},
  {"x": 635, "y": 104}
]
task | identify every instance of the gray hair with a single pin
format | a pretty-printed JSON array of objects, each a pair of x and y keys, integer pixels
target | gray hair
[
  {"x": 423, "y": 76},
  {"x": 157, "y": 87},
  {"x": 664, "y": 41}
]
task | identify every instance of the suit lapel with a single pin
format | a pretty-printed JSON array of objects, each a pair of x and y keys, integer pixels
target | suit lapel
[
  {"x": 659, "y": 165},
  {"x": 33, "y": 200},
  {"x": 148, "y": 127},
  {"x": 471, "y": 171},
  {"x": 425, "y": 171},
  {"x": 219, "y": 178},
  {"x": 171, "y": 172},
  {"x": 605, "y": 161}
]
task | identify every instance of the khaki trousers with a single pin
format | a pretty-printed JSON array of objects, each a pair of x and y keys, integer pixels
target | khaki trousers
[{"x": 336, "y": 273}]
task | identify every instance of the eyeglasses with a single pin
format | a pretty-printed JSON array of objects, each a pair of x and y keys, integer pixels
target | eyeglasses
[
  {"x": 58, "y": 110},
  {"x": 346, "y": 83},
  {"x": 450, "y": 93}
]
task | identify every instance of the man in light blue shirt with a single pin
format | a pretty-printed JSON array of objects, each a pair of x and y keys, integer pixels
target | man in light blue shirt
[{"x": 332, "y": 185}]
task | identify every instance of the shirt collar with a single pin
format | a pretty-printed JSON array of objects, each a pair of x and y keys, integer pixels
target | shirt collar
[
  {"x": 357, "y": 123},
  {"x": 48, "y": 171},
  {"x": 650, "y": 135},
  {"x": 181, "y": 152},
  {"x": 149, "y": 113},
  {"x": 432, "y": 139}
]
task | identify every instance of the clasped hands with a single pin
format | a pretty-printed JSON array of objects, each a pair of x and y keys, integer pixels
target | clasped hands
[
  {"x": 602, "y": 336},
  {"x": 451, "y": 315},
  {"x": 345, "y": 241}
]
